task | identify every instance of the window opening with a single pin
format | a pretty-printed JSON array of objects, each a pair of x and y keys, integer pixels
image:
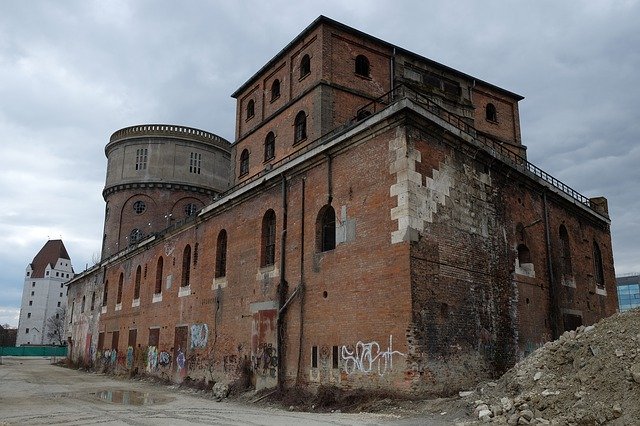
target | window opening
[
  {"x": 141, "y": 158},
  {"x": 186, "y": 265},
  {"x": 135, "y": 236},
  {"x": 597, "y": 260},
  {"x": 305, "y": 66},
  {"x": 93, "y": 300},
  {"x": 195, "y": 160},
  {"x": 120, "y": 283},
  {"x": 275, "y": 90},
  {"x": 250, "y": 109},
  {"x": 84, "y": 299},
  {"x": 268, "y": 238},
  {"x": 244, "y": 162},
  {"x": 326, "y": 229},
  {"x": 491, "y": 113},
  {"x": 300, "y": 127},
  {"x": 524, "y": 255},
  {"x": 269, "y": 146},
  {"x": 136, "y": 289},
  {"x": 159, "y": 267},
  {"x": 565, "y": 252},
  {"x": 314, "y": 357},
  {"x": 221, "y": 255},
  {"x": 105, "y": 293},
  {"x": 139, "y": 207},
  {"x": 190, "y": 209},
  {"x": 362, "y": 65},
  {"x": 335, "y": 357}
]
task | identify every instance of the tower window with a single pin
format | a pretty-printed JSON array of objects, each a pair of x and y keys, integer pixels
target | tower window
[
  {"x": 300, "y": 127},
  {"x": 186, "y": 265},
  {"x": 524, "y": 255},
  {"x": 362, "y": 66},
  {"x": 305, "y": 66},
  {"x": 268, "y": 256},
  {"x": 597, "y": 264},
  {"x": 269, "y": 146},
  {"x": 251, "y": 109},
  {"x": 159, "y": 268},
  {"x": 491, "y": 113},
  {"x": 139, "y": 207},
  {"x": 326, "y": 229},
  {"x": 135, "y": 236},
  {"x": 136, "y": 288},
  {"x": 275, "y": 90},
  {"x": 190, "y": 209},
  {"x": 244, "y": 162},
  {"x": 120, "y": 284},
  {"x": 195, "y": 159},
  {"x": 141, "y": 158},
  {"x": 221, "y": 255}
]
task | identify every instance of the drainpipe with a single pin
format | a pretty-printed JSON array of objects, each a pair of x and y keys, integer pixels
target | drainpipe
[
  {"x": 392, "y": 70},
  {"x": 282, "y": 288},
  {"x": 301, "y": 285},
  {"x": 553, "y": 296}
]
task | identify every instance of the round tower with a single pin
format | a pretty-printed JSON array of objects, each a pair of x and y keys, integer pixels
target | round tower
[{"x": 157, "y": 175}]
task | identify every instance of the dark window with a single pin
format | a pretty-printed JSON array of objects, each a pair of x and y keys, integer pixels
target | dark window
[
  {"x": 27, "y": 331},
  {"x": 29, "y": 315},
  {"x": 362, "y": 114},
  {"x": 190, "y": 209},
  {"x": 133, "y": 337},
  {"x": 221, "y": 255},
  {"x": 565, "y": 252},
  {"x": 300, "y": 127},
  {"x": 93, "y": 300},
  {"x": 30, "y": 302},
  {"x": 159, "y": 267},
  {"x": 336, "y": 357},
  {"x": 154, "y": 337},
  {"x": 115, "y": 337},
  {"x": 326, "y": 229},
  {"x": 268, "y": 238},
  {"x": 314, "y": 357},
  {"x": 491, "y": 113},
  {"x": 305, "y": 65},
  {"x": 362, "y": 65},
  {"x": 251, "y": 109},
  {"x": 275, "y": 89},
  {"x": 105, "y": 294},
  {"x": 136, "y": 289},
  {"x": 136, "y": 236},
  {"x": 120, "y": 284},
  {"x": 100, "y": 341},
  {"x": 141, "y": 159},
  {"x": 451, "y": 88},
  {"x": 195, "y": 161},
  {"x": 186, "y": 265},
  {"x": 597, "y": 263},
  {"x": 524, "y": 255},
  {"x": 269, "y": 146},
  {"x": 244, "y": 162},
  {"x": 84, "y": 299},
  {"x": 139, "y": 207}
]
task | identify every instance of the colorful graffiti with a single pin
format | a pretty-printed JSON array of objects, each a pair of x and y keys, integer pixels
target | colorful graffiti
[
  {"x": 265, "y": 361},
  {"x": 164, "y": 359},
  {"x": 199, "y": 335},
  {"x": 367, "y": 358},
  {"x": 129, "y": 357},
  {"x": 152, "y": 359},
  {"x": 180, "y": 360}
]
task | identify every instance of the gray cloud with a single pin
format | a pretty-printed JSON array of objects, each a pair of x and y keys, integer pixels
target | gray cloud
[{"x": 72, "y": 73}]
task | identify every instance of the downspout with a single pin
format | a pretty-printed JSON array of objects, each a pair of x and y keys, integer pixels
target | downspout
[
  {"x": 392, "y": 70},
  {"x": 553, "y": 297},
  {"x": 301, "y": 285},
  {"x": 282, "y": 288}
]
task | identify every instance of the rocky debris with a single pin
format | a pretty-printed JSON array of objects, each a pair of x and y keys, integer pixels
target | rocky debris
[
  {"x": 589, "y": 376},
  {"x": 220, "y": 391}
]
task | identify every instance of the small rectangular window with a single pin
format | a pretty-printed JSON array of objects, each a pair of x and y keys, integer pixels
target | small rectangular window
[
  {"x": 61, "y": 285},
  {"x": 29, "y": 315},
  {"x": 33, "y": 292},
  {"x": 30, "y": 302},
  {"x": 27, "y": 331},
  {"x": 335, "y": 359},
  {"x": 195, "y": 161},
  {"x": 314, "y": 357},
  {"x": 141, "y": 158},
  {"x": 33, "y": 284},
  {"x": 58, "y": 304}
]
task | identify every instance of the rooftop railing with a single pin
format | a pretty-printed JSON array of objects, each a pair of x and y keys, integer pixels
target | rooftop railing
[{"x": 167, "y": 130}]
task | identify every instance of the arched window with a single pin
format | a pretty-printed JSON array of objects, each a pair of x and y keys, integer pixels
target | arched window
[
  {"x": 597, "y": 264},
  {"x": 221, "y": 255},
  {"x": 136, "y": 288},
  {"x": 326, "y": 229},
  {"x": 120, "y": 284},
  {"x": 305, "y": 65},
  {"x": 565, "y": 252},
  {"x": 275, "y": 89},
  {"x": 186, "y": 265},
  {"x": 190, "y": 209},
  {"x": 524, "y": 255},
  {"x": 300, "y": 127},
  {"x": 491, "y": 113},
  {"x": 244, "y": 162},
  {"x": 362, "y": 66},
  {"x": 269, "y": 146},
  {"x": 362, "y": 114},
  {"x": 268, "y": 252},
  {"x": 251, "y": 109},
  {"x": 105, "y": 293},
  {"x": 159, "y": 267}
]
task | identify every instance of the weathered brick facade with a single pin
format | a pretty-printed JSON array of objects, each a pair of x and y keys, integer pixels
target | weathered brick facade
[{"x": 411, "y": 247}]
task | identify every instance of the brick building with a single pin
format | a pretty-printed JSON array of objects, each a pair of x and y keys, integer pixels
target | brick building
[{"x": 383, "y": 229}]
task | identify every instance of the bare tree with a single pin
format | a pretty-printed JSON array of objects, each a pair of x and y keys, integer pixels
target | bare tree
[{"x": 55, "y": 326}]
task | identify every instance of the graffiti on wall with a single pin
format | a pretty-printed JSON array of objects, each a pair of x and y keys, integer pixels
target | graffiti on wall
[
  {"x": 129, "y": 357},
  {"x": 164, "y": 359},
  {"x": 199, "y": 335},
  {"x": 265, "y": 361},
  {"x": 369, "y": 358},
  {"x": 180, "y": 360},
  {"x": 152, "y": 358}
]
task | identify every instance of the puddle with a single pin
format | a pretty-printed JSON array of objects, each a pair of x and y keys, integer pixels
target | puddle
[{"x": 127, "y": 397}]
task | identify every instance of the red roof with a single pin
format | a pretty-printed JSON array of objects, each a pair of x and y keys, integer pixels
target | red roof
[{"x": 48, "y": 255}]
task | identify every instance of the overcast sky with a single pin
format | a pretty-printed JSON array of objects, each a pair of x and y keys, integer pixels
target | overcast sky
[{"x": 73, "y": 72}]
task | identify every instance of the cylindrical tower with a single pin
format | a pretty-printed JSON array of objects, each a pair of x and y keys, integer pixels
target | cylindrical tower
[{"x": 158, "y": 174}]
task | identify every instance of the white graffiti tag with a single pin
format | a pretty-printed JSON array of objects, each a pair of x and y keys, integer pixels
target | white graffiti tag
[{"x": 366, "y": 357}]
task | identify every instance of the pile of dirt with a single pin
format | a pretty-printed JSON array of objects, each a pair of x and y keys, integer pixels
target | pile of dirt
[{"x": 588, "y": 376}]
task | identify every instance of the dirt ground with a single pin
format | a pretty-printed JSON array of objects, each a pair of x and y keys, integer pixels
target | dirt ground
[{"x": 33, "y": 392}]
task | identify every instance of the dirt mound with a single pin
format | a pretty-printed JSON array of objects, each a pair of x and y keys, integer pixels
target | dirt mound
[{"x": 588, "y": 376}]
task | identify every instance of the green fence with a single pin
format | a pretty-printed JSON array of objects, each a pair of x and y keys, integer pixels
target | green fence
[{"x": 33, "y": 351}]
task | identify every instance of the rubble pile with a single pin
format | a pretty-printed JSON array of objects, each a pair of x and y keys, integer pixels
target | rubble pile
[{"x": 588, "y": 376}]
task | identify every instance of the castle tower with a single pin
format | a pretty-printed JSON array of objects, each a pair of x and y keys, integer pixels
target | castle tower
[
  {"x": 158, "y": 175},
  {"x": 43, "y": 293}
]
